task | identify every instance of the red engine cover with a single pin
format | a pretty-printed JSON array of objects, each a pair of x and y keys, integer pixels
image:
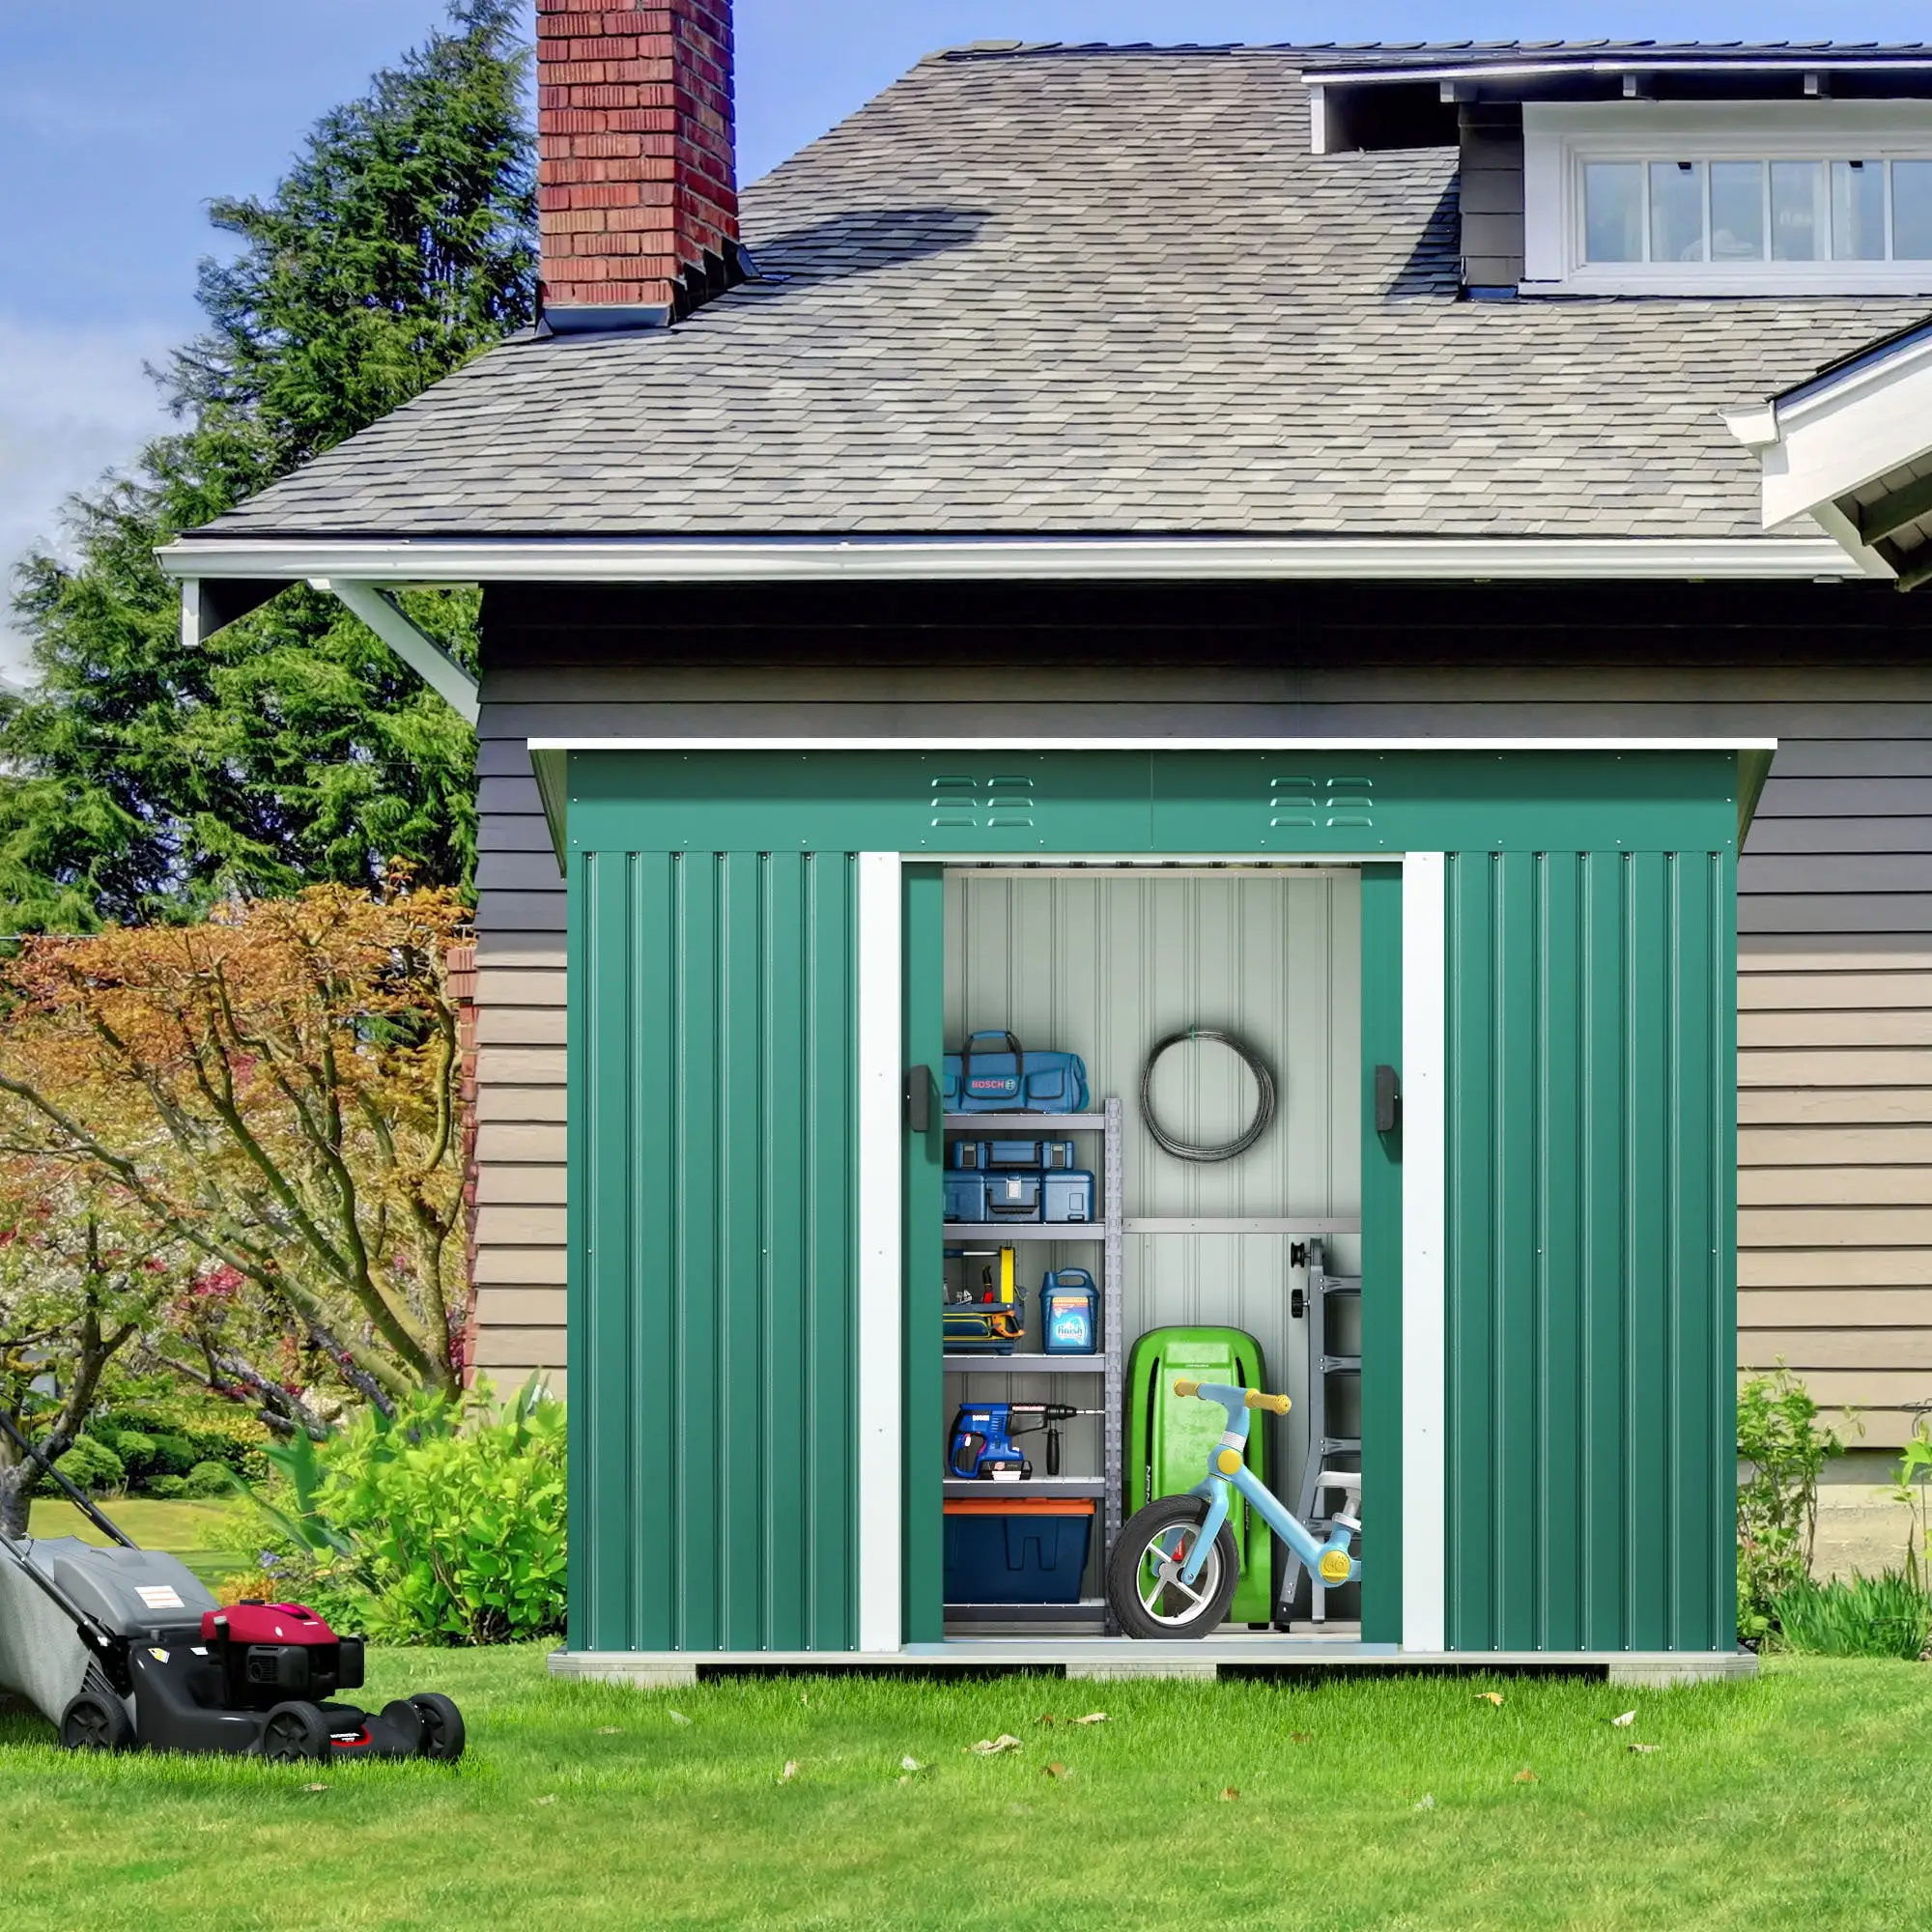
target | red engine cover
[{"x": 267, "y": 1623}]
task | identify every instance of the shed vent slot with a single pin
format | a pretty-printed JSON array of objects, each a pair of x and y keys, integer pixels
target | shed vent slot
[
  {"x": 981, "y": 804},
  {"x": 1309, "y": 804}
]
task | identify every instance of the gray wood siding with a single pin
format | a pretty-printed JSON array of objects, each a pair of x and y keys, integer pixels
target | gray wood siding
[{"x": 1834, "y": 916}]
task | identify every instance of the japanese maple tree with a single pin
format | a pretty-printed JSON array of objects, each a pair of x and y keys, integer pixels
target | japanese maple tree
[{"x": 274, "y": 1095}]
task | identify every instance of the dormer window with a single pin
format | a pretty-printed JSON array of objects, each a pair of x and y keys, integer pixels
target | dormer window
[{"x": 1727, "y": 198}]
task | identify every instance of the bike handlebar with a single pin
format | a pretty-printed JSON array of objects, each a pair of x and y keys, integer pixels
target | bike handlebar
[{"x": 1278, "y": 1405}]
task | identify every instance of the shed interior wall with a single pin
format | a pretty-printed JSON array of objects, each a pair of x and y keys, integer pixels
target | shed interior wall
[{"x": 1105, "y": 965}]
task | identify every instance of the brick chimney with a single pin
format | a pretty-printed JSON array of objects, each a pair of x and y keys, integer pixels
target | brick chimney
[{"x": 637, "y": 177}]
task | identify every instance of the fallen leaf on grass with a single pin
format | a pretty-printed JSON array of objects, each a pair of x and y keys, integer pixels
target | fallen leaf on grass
[
  {"x": 678, "y": 1717},
  {"x": 1646, "y": 1747},
  {"x": 549, "y": 1798},
  {"x": 909, "y": 1763},
  {"x": 610, "y": 1731},
  {"x": 1229, "y": 1794},
  {"x": 315, "y": 1787},
  {"x": 1628, "y": 1718},
  {"x": 1046, "y": 1718},
  {"x": 1426, "y": 1802},
  {"x": 1054, "y": 1770},
  {"x": 992, "y": 1747},
  {"x": 1489, "y": 1696},
  {"x": 1093, "y": 1717},
  {"x": 1302, "y": 1737},
  {"x": 1525, "y": 1778},
  {"x": 789, "y": 1772}
]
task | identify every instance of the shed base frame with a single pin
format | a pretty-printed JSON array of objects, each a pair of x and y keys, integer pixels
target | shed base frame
[{"x": 1112, "y": 1660}]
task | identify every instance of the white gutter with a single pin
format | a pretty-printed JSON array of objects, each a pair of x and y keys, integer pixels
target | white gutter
[
  {"x": 1819, "y": 60},
  {"x": 918, "y": 742},
  {"x": 805, "y": 559}
]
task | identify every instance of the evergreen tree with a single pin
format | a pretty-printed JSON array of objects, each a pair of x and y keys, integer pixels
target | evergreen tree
[{"x": 145, "y": 780}]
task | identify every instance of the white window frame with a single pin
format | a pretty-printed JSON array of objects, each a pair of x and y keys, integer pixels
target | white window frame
[{"x": 1559, "y": 139}]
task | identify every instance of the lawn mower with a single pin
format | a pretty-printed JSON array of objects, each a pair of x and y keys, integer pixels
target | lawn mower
[{"x": 124, "y": 1649}]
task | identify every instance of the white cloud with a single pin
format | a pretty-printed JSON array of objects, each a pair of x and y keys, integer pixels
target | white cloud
[{"x": 73, "y": 403}]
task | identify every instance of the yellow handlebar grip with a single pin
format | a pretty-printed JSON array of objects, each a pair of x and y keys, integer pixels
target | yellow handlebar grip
[
  {"x": 1280, "y": 1403},
  {"x": 1187, "y": 1388}
]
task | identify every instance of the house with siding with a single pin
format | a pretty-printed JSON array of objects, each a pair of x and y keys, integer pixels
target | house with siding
[{"x": 1317, "y": 394}]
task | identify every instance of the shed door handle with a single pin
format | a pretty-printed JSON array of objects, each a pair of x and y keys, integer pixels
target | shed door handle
[
  {"x": 1388, "y": 1100},
  {"x": 920, "y": 1090}
]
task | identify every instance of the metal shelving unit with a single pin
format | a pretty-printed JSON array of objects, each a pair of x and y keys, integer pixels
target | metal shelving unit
[
  {"x": 1109, "y": 1233},
  {"x": 1318, "y": 1477}
]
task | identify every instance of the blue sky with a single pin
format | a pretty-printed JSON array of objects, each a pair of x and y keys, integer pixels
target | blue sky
[{"x": 120, "y": 119}]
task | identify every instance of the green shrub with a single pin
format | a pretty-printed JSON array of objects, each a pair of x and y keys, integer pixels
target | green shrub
[
  {"x": 176, "y": 1455},
  {"x": 444, "y": 1525},
  {"x": 135, "y": 1450},
  {"x": 1870, "y": 1616},
  {"x": 207, "y": 1479},
  {"x": 90, "y": 1464},
  {"x": 168, "y": 1488},
  {"x": 1779, "y": 1439}
]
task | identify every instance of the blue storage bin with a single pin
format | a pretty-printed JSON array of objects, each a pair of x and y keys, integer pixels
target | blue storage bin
[
  {"x": 1012, "y": 1194},
  {"x": 1016, "y": 1550}
]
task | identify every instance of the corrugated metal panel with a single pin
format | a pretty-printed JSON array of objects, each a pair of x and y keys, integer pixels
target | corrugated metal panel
[
  {"x": 1104, "y": 967},
  {"x": 713, "y": 1126},
  {"x": 1591, "y": 1288}
]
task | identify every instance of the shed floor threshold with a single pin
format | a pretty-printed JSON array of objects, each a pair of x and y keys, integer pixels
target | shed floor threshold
[{"x": 1119, "y": 1658}]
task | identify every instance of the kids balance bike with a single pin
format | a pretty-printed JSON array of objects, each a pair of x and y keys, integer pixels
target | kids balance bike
[{"x": 1173, "y": 1572}]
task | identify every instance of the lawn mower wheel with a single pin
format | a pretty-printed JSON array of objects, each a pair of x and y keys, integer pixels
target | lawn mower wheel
[{"x": 94, "y": 1722}]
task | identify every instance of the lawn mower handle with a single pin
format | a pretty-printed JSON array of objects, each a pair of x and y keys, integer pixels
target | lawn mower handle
[{"x": 75, "y": 1494}]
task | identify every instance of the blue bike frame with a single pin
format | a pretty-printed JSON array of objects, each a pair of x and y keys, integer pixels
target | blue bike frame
[{"x": 1286, "y": 1525}]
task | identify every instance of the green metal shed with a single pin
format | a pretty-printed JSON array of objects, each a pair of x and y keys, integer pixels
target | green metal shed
[{"x": 1547, "y": 955}]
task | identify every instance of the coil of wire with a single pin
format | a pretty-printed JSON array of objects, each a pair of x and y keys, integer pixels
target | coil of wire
[{"x": 1264, "y": 1100}]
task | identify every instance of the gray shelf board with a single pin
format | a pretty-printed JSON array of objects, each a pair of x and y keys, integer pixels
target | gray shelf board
[
  {"x": 1027, "y": 1365},
  {"x": 1241, "y": 1224},
  {"x": 1039, "y": 1486},
  {"x": 957, "y": 1234},
  {"x": 1019, "y": 1123}
]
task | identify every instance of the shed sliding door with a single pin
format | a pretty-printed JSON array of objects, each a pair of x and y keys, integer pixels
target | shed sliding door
[{"x": 713, "y": 1004}]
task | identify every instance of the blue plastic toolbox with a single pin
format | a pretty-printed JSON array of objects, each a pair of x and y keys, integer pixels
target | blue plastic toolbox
[
  {"x": 1018, "y": 1551},
  {"x": 1012, "y": 1194},
  {"x": 1065, "y": 1197},
  {"x": 1069, "y": 1313},
  {"x": 1011, "y": 1081},
  {"x": 984, "y": 1154},
  {"x": 965, "y": 1196}
]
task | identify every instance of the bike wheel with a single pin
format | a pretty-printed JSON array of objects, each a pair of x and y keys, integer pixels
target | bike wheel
[{"x": 1144, "y": 1583}]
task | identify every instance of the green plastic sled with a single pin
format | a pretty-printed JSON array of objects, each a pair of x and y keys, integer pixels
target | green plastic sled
[{"x": 1170, "y": 1437}]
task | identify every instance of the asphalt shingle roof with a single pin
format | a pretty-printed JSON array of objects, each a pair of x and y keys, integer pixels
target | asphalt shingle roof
[{"x": 1096, "y": 290}]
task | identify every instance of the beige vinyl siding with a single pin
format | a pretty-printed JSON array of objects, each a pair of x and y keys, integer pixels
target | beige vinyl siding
[{"x": 1834, "y": 916}]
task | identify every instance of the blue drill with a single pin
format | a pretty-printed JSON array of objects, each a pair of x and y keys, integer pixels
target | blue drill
[{"x": 982, "y": 1438}]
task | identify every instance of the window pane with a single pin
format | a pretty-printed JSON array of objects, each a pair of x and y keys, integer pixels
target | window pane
[
  {"x": 1912, "y": 210},
  {"x": 1857, "y": 211},
  {"x": 1797, "y": 217},
  {"x": 1737, "y": 210},
  {"x": 1614, "y": 211},
  {"x": 1676, "y": 210}
]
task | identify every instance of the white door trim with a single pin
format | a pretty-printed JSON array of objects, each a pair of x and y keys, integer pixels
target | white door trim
[
  {"x": 880, "y": 1446},
  {"x": 1424, "y": 1287}
]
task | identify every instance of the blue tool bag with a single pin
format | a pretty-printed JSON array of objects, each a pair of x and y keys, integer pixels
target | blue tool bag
[{"x": 1013, "y": 1081}]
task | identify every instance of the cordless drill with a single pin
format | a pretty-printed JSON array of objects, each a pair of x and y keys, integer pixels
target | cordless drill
[{"x": 984, "y": 1437}]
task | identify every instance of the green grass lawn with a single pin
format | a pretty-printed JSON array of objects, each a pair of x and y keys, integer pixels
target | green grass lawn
[
  {"x": 1800, "y": 1799},
  {"x": 211, "y": 1538}
]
